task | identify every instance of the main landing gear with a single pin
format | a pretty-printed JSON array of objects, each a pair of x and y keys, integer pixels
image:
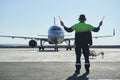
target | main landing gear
[{"x": 69, "y": 48}]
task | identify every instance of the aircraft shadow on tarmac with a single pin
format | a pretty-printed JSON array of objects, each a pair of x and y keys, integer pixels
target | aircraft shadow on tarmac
[
  {"x": 48, "y": 51},
  {"x": 76, "y": 77}
]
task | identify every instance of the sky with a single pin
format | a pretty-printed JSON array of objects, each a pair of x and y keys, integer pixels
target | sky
[{"x": 33, "y": 17}]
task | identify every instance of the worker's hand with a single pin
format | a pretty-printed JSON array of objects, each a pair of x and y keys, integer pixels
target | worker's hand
[
  {"x": 90, "y": 44},
  {"x": 62, "y": 24},
  {"x": 100, "y": 24}
]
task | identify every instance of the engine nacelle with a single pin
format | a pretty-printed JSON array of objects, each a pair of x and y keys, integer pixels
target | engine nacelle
[{"x": 32, "y": 43}]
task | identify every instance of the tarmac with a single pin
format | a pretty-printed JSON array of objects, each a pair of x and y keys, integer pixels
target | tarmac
[{"x": 31, "y": 64}]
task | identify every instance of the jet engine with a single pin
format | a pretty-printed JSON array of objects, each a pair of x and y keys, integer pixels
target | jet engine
[{"x": 32, "y": 43}]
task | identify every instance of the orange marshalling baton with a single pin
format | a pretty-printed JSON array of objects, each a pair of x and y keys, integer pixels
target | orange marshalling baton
[
  {"x": 59, "y": 18},
  {"x": 103, "y": 18}
]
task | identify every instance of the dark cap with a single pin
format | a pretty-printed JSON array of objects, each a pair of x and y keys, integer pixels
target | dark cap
[{"x": 82, "y": 17}]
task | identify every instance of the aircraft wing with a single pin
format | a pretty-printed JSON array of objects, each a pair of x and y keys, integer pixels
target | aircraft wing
[
  {"x": 68, "y": 39},
  {"x": 105, "y": 35},
  {"x": 102, "y": 36},
  {"x": 45, "y": 39}
]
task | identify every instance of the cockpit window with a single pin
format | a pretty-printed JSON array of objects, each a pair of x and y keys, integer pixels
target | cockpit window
[{"x": 56, "y": 28}]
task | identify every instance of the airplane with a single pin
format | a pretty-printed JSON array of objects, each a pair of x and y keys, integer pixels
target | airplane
[{"x": 55, "y": 36}]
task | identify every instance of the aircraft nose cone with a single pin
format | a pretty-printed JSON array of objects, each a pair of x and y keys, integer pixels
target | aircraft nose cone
[{"x": 55, "y": 34}]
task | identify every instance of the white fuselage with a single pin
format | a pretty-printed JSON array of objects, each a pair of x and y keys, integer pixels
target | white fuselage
[{"x": 55, "y": 35}]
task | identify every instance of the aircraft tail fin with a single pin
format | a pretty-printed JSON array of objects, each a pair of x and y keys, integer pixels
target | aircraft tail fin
[{"x": 54, "y": 20}]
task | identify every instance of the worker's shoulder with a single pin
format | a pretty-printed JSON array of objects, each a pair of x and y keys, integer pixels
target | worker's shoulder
[
  {"x": 79, "y": 24},
  {"x": 88, "y": 24},
  {"x": 83, "y": 23}
]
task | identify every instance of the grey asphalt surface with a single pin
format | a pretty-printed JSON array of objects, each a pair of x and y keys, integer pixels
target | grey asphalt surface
[
  {"x": 56, "y": 71},
  {"x": 19, "y": 64}
]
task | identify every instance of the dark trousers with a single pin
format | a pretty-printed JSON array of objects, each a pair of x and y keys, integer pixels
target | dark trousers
[{"x": 86, "y": 52}]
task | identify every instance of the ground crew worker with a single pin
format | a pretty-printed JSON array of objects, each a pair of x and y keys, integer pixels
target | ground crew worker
[{"x": 83, "y": 39}]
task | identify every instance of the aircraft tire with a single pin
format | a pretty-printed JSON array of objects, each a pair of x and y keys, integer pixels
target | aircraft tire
[
  {"x": 69, "y": 48},
  {"x": 39, "y": 48},
  {"x": 43, "y": 49}
]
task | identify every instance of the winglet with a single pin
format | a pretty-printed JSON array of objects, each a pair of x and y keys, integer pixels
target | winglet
[{"x": 114, "y": 32}]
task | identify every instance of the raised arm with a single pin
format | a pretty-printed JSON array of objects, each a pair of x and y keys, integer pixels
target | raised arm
[
  {"x": 96, "y": 29},
  {"x": 66, "y": 28}
]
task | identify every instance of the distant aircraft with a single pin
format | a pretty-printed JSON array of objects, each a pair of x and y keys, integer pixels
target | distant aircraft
[{"x": 55, "y": 36}]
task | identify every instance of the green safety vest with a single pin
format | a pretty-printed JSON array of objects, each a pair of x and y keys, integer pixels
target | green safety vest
[{"x": 82, "y": 27}]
